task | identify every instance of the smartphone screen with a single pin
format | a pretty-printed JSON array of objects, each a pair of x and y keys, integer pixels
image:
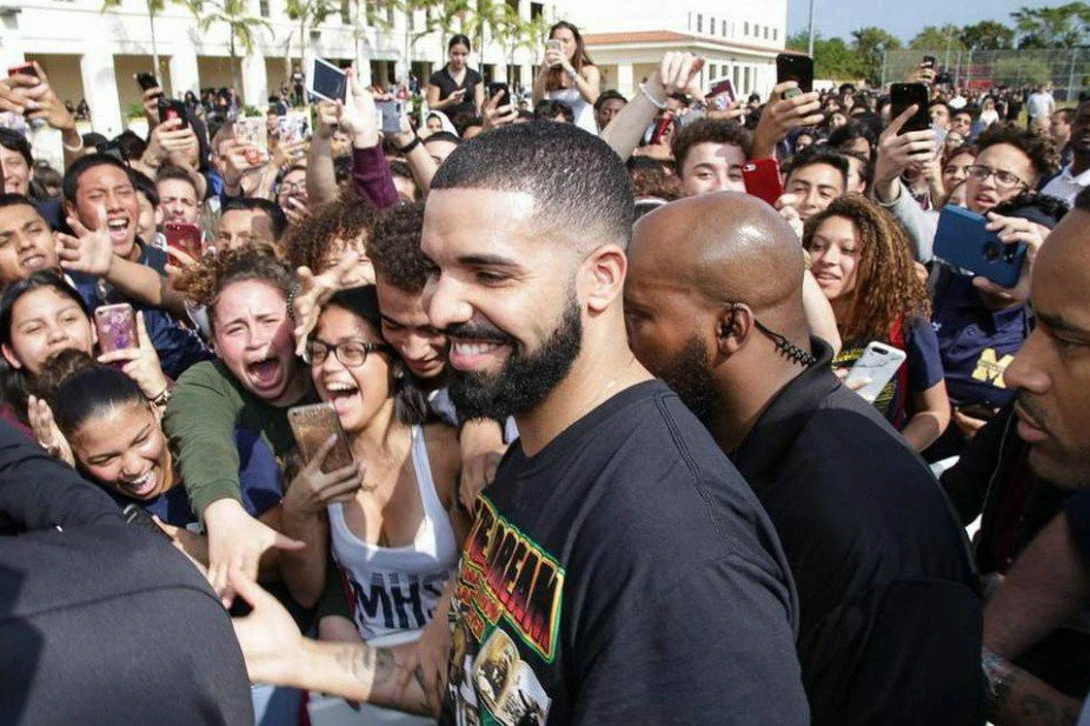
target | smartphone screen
[
  {"x": 328, "y": 81},
  {"x": 928, "y": 61},
  {"x": 494, "y": 90},
  {"x": 116, "y": 327},
  {"x": 903, "y": 95}
]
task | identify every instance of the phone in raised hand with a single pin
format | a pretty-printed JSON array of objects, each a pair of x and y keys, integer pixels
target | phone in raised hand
[
  {"x": 877, "y": 366},
  {"x": 903, "y": 95},
  {"x": 327, "y": 81},
  {"x": 312, "y": 426},
  {"x": 797, "y": 68},
  {"x": 116, "y": 327}
]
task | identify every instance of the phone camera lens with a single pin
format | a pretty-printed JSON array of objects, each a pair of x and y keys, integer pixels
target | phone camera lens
[{"x": 991, "y": 252}]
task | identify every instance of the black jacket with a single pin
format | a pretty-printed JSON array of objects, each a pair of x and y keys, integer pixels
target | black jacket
[{"x": 891, "y": 616}]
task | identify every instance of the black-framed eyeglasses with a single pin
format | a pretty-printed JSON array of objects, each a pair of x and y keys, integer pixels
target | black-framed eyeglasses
[
  {"x": 1003, "y": 179},
  {"x": 351, "y": 353}
]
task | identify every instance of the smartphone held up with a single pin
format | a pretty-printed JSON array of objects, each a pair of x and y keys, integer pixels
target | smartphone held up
[
  {"x": 312, "y": 426},
  {"x": 798, "y": 68},
  {"x": 116, "y": 327}
]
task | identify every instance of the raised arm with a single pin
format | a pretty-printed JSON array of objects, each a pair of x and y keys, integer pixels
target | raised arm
[
  {"x": 321, "y": 176},
  {"x": 676, "y": 72}
]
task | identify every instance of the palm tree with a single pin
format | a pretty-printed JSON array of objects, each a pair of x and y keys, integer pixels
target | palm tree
[
  {"x": 154, "y": 8},
  {"x": 478, "y": 20},
  {"x": 241, "y": 26},
  {"x": 306, "y": 12}
]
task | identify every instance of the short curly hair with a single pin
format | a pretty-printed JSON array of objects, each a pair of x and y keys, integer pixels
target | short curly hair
[
  {"x": 708, "y": 131},
  {"x": 1038, "y": 147},
  {"x": 203, "y": 283},
  {"x": 394, "y": 248},
  {"x": 314, "y": 241}
]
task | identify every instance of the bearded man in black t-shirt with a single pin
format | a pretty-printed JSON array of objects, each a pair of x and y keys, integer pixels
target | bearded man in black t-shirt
[{"x": 619, "y": 569}]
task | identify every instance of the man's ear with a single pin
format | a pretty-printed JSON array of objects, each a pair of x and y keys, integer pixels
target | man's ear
[
  {"x": 601, "y": 278},
  {"x": 733, "y": 328},
  {"x": 70, "y": 210}
]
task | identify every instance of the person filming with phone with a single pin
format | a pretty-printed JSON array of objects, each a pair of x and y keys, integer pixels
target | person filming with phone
[
  {"x": 456, "y": 88},
  {"x": 569, "y": 75}
]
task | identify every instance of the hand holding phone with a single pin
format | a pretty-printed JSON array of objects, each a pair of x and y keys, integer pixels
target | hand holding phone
[
  {"x": 964, "y": 240},
  {"x": 797, "y": 68},
  {"x": 27, "y": 69},
  {"x": 170, "y": 109},
  {"x": 327, "y": 81},
  {"x": 312, "y": 426},
  {"x": 762, "y": 179},
  {"x": 874, "y": 370},
  {"x": 183, "y": 237},
  {"x": 903, "y": 95}
]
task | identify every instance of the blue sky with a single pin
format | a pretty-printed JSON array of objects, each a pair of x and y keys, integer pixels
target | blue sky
[{"x": 903, "y": 19}]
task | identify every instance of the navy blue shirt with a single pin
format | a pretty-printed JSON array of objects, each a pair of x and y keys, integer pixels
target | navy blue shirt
[
  {"x": 258, "y": 473},
  {"x": 976, "y": 343},
  {"x": 178, "y": 348},
  {"x": 52, "y": 212},
  {"x": 924, "y": 368}
]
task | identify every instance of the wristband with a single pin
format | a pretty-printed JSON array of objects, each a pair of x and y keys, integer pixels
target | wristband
[
  {"x": 661, "y": 105},
  {"x": 72, "y": 149},
  {"x": 403, "y": 150}
]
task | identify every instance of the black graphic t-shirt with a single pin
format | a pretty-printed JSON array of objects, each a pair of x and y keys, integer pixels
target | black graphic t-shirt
[{"x": 625, "y": 574}]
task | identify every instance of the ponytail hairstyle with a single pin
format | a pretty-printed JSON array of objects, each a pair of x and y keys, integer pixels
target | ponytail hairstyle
[
  {"x": 78, "y": 389},
  {"x": 580, "y": 59},
  {"x": 15, "y": 383},
  {"x": 410, "y": 403}
]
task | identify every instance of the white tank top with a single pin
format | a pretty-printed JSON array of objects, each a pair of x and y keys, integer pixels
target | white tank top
[
  {"x": 581, "y": 109},
  {"x": 395, "y": 589}
]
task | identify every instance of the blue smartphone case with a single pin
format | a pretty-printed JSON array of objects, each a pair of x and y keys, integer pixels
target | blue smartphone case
[{"x": 962, "y": 241}]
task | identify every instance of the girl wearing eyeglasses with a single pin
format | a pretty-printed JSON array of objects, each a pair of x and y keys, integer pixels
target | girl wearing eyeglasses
[{"x": 395, "y": 539}]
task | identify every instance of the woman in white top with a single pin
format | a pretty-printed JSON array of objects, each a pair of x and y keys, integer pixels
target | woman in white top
[
  {"x": 392, "y": 518},
  {"x": 568, "y": 75}
]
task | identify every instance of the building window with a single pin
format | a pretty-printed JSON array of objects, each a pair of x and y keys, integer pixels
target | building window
[
  {"x": 536, "y": 10},
  {"x": 745, "y": 30},
  {"x": 775, "y": 34},
  {"x": 711, "y": 26},
  {"x": 346, "y": 12},
  {"x": 766, "y": 32},
  {"x": 699, "y": 23},
  {"x": 724, "y": 28},
  {"x": 263, "y": 8}
]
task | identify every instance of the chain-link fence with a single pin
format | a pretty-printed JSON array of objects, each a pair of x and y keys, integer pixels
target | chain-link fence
[{"x": 1067, "y": 69}]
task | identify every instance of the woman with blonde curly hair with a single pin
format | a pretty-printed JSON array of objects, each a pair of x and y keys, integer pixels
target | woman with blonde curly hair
[{"x": 862, "y": 263}]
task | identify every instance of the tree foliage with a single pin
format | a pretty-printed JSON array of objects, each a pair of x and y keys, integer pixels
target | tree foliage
[
  {"x": 987, "y": 35},
  {"x": 934, "y": 38}
]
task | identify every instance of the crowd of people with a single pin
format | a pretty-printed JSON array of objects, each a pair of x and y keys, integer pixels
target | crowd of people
[{"x": 588, "y": 441}]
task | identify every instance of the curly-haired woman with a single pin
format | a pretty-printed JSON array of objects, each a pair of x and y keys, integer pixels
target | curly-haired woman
[{"x": 862, "y": 263}]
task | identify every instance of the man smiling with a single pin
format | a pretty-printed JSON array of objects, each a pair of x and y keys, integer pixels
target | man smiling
[
  {"x": 619, "y": 569},
  {"x": 26, "y": 243}
]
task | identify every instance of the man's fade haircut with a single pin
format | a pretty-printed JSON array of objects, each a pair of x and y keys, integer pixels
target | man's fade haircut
[
  {"x": 394, "y": 248},
  {"x": 84, "y": 164},
  {"x": 709, "y": 131},
  {"x": 574, "y": 177},
  {"x": 257, "y": 204},
  {"x": 818, "y": 154}
]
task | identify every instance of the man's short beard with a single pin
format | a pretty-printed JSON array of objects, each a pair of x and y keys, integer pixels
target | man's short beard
[
  {"x": 689, "y": 375},
  {"x": 525, "y": 380}
]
